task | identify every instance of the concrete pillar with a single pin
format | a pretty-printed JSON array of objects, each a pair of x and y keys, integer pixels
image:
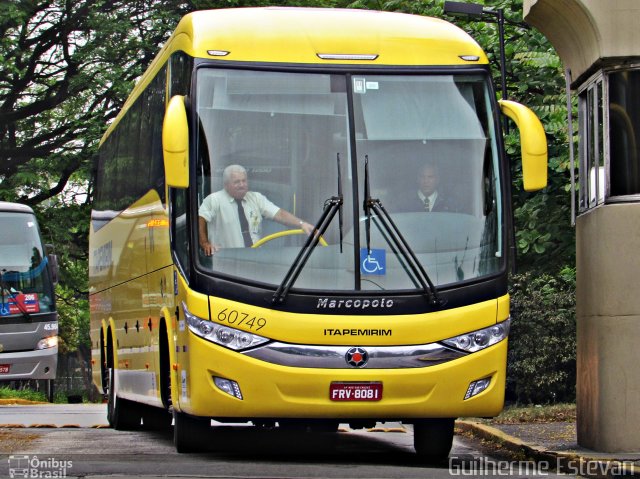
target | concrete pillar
[{"x": 608, "y": 316}]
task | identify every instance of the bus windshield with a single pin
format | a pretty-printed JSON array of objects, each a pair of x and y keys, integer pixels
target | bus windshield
[
  {"x": 429, "y": 141},
  {"x": 25, "y": 285}
]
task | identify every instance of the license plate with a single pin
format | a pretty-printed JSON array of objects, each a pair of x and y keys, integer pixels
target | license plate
[
  {"x": 4, "y": 368},
  {"x": 355, "y": 391}
]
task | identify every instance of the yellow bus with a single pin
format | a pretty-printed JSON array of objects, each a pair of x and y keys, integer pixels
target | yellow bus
[{"x": 302, "y": 218}]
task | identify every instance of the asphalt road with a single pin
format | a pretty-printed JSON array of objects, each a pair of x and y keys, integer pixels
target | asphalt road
[{"x": 232, "y": 452}]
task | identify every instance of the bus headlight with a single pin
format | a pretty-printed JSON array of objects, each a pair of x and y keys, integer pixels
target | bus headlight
[
  {"x": 480, "y": 339},
  {"x": 223, "y": 335},
  {"x": 46, "y": 343}
]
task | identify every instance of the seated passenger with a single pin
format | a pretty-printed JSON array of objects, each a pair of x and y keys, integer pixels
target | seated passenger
[{"x": 232, "y": 217}]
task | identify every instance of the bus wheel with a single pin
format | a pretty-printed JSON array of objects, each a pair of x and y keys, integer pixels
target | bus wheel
[
  {"x": 433, "y": 438},
  {"x": 122, "y": 414},
  {"x": 189, "y": 433},
  {"x": 155, "y": 418}
]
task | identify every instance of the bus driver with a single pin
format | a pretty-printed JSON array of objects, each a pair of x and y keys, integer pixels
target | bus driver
[
  {"x": 232, "y": 217},
  {"x": 428, "y": 197}
]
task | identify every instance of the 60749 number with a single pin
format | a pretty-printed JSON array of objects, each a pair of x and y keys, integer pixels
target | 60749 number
[{"x": 237, "y": 318}]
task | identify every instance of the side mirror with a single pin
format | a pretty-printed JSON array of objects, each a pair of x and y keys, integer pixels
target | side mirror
[
  {"x": 175, "y": 143},
  {"x": 52, "y": 259},
  {"x": 533, "y": 144}
]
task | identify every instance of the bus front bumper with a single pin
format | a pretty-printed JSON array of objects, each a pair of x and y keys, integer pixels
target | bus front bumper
[
  {"x": 274, "y": 391},
  {"x": 36, "y": 364}
]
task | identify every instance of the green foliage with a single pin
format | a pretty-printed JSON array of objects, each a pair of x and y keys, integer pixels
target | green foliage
[
  {"x": 24, "y": 394},
  {"x": 27, "y": 392},
  {"x": 542, "y": 348},
  {"x": 65, "y": 225},
  {"x": 73, "y": 311},
  {"x": 65, "y": 70}
]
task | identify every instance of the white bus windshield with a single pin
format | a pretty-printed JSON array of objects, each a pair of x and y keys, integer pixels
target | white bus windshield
[
  {"x": 433, "y": 164},
  {"x": 25, "y": 286}
]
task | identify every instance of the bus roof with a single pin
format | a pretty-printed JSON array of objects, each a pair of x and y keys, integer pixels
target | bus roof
[
  {"x": 14, "y": 207},
  {"x": 294, "y": 35},
  {"x": 299, "y": 35}
]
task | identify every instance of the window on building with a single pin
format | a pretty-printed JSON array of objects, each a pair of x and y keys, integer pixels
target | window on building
[
  {"x": 624, "y": 132},
  {"x": 593, "y": 177},
  {"x": 609, "y": 106}
]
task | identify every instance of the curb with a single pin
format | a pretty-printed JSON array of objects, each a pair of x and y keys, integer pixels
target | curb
[
  {"x": 19, "y": 402},
  {"x": 564, "y": 462}
]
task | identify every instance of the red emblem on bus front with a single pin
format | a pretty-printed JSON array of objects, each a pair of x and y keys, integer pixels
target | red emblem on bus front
[{"x": 356, "y": 357}]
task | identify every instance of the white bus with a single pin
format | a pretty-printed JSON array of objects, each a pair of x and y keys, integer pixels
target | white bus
[{"x": 28, "y": 317}]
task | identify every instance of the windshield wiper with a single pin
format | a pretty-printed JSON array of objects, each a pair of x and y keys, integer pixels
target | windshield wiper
[
  {"x": 340, "y": 216},
  {"x": 398, "y": 242},
  {"x": 332, "y": 206}
]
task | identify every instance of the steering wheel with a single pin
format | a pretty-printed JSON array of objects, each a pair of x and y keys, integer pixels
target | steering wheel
[{"x": 281, "y": 234}]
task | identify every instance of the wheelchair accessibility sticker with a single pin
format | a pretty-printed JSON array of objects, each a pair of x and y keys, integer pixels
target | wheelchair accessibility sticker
[{"x": 373, "y": 263}]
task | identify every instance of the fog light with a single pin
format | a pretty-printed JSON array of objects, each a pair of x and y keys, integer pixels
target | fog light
[
  {"x": 476, "y": 387},
  {"x": 230, "y": 387}
]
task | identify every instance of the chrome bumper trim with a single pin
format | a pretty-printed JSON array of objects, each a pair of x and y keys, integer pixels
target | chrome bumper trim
[{"x": 333, "y": 357}]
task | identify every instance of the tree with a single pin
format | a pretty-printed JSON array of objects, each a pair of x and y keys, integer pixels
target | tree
[
  {"x": 65, "y": 70},
  {"x": 542, "y": 341}
]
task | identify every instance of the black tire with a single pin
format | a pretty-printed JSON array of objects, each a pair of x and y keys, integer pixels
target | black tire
[
  {"x": 123, "y": 415},
  {"x": 104, "y": 369},
  {"x": 433, "y": 439},
  {"x": 165, "y": 369},
  {"x": 190, "y": 433},
  {"x": 155, "y": 418}
]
